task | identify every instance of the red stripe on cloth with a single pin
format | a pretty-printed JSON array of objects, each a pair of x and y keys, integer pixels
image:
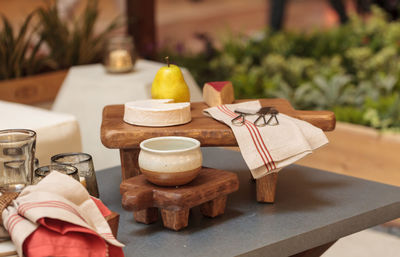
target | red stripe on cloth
[
  {"x": 27, "y": 206},
  {"x": 221, "y": 108},
  {"x": 11, "y": 217},
  {"x": 12, "y": 221},
  {"x": 250, "y": 125},
  {"x": 52, "y": 204},
  {"x": 263, "y": 145},
  {"x": 15, "y": 223},
  {"x": 56, "y": 206},
  {"x": 24, "y": 206}
]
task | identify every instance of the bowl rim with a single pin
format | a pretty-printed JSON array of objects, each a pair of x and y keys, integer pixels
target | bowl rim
[{"x": 195, "y": 141}]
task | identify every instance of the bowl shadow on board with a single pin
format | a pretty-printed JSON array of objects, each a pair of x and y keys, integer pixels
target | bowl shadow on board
[{"x": 197, "y": 222}]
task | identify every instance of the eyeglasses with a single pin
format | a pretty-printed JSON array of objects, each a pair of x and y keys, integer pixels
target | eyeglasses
[{"x": 261, "y": 120}]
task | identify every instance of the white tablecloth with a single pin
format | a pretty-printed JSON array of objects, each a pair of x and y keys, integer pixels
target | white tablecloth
[
  {"x": 88, "y": 88},
  {"x": 56, "y": 132}
]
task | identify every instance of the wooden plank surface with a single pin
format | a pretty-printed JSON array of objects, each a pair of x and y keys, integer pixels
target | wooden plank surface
[
  {"x": 115, "y": 133},
  {"x": 34, "y": 89}
]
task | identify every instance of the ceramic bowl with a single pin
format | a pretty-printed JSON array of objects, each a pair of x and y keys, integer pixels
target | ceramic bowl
[{"x": 170, "y": 161}]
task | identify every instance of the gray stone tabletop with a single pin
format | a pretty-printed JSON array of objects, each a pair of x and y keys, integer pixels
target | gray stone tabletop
[{"x": 312, "y": 208}]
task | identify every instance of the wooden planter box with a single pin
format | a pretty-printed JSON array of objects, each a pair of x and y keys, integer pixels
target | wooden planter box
[
  {"x": 34, "y": 89},
  {"x": 360, "y": 152}
]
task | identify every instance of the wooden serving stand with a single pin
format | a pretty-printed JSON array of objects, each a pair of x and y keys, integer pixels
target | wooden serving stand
[
  {"x": 209, "y": 190},
  {"x": 117, "y": 134}
]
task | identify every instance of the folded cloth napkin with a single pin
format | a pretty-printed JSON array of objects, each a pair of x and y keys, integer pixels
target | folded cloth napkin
[
  {"x": 268, "y": 149},
  {"x": 57, "y": 217}
]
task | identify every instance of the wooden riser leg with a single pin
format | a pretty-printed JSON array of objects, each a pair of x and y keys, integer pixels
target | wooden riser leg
[
  {"x": 129, "y": 162},
  {"x": 214, "y": 207},
  {"x": 146, "y": 216},
  {"x": 176, "y": 219},
  {"x": 266, "y": 187}
]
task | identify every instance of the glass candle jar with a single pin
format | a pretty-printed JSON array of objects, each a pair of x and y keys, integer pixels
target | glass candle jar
[
  {"x": 17, "y": 154},
  {"x": 84, "y": 163},
  {"x": 42, "y": 172},
  {"x": 120, "y": 55}
]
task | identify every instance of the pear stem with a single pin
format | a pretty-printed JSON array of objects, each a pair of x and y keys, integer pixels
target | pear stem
[{"x": 167, "y": 60}]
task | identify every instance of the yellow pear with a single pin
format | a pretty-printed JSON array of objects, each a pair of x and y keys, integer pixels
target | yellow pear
[{"x": 170, "y": 84}]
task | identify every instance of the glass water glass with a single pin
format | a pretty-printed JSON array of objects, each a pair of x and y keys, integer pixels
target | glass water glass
[
  {"x": 42, "y": 172},
  {"x": 17, "y": 155},
  {"x": 84, "y": 163}
]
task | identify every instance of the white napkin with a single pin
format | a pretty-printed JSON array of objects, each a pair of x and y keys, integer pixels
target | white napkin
[
  {"x": 270, "y": 148},
  {"x": 57, "y": 196}
]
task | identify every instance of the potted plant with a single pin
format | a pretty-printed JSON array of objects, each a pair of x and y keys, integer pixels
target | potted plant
[{"x": 30, "y": 75}]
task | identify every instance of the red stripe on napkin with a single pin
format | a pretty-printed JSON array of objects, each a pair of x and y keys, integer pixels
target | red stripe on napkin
[
  {"x": 259, "y": 139},
  {"x": 23, "y": 208},
  {"x": 56, "y": 237},
  {"x": 263, "y": 145},
  {"x": 251, "y": 131},
  {"x": 12, "y": 221}
]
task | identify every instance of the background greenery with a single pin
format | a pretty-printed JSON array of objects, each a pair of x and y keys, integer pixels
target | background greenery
[
  {"x": 353, "y": 69},
  {"x": 67, "y": 43}
]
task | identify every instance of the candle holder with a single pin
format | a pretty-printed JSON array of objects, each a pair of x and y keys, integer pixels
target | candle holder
[
  {"x": 42, "y": 172},
  {"x": 84, "y": 163},
  {"x": 120, "y": 55}
]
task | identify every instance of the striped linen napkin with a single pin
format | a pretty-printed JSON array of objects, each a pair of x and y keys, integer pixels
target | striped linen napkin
[
  {"x": 270, "y": 148},
  {"x": 57, "y": 217}
]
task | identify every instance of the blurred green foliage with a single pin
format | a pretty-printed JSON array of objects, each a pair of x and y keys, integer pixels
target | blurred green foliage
[
  {"x": 18, "y": 55},
  {"x": 353, "y": 69},
  {"x": 73, "y": 42},
  {"x": 69, "y": 42}
]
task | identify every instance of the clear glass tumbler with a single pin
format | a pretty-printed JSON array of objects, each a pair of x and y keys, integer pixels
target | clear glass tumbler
[
  {"x": 84, "y": 163},
  {"x": 42, "y": 172},
  {"x": 17, "y": 155}
]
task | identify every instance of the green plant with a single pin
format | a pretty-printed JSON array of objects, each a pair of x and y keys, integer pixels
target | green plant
[
  {"x": 73, "y": 43},
  {"x": 352, "y": 69},
  {"x": 18, "y": 53},
  {"x": 384, "y": 113},
  {"x": 69, "y": 43}
]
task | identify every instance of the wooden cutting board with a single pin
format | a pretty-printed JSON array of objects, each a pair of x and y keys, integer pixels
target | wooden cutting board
[{"x": 115, "y": 133}]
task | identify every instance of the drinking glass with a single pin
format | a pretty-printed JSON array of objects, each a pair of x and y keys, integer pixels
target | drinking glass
[
  {"x": 84, "y": 163},
  {"x": 42, "y": 172},
  {"x": 17, "y": 154}
]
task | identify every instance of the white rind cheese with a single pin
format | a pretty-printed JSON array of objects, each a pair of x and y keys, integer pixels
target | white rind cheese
[{"x": 157, "y": 113}]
